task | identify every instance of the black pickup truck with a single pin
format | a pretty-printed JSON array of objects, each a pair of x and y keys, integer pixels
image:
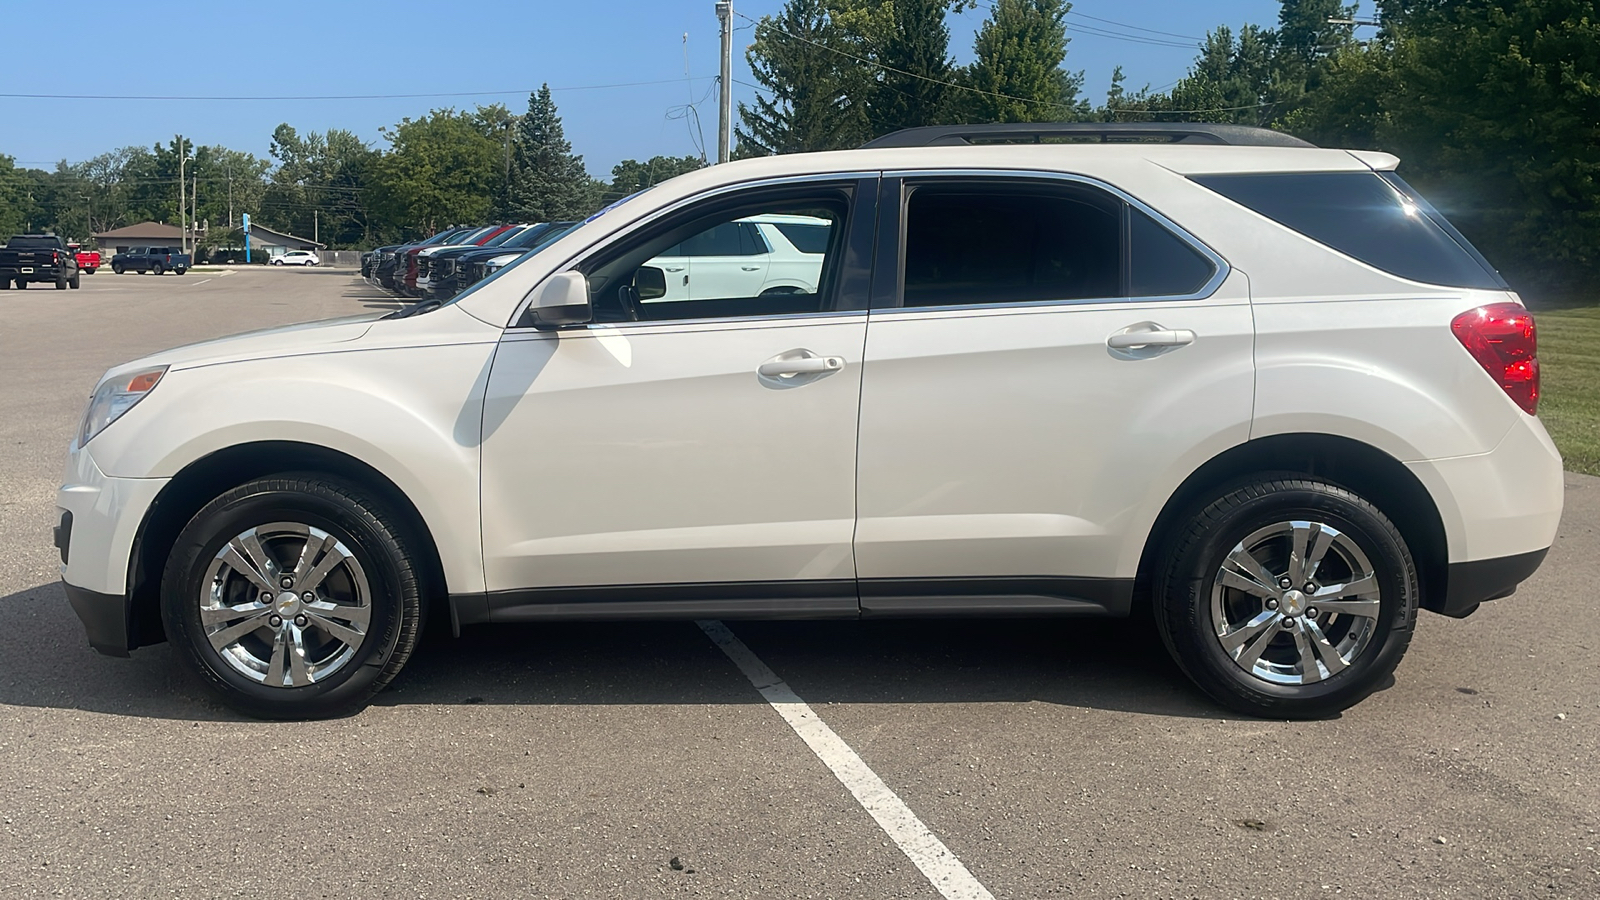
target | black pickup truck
[
  {"x": 151, "y": 259},
  {"x": 28, "y": 258}
]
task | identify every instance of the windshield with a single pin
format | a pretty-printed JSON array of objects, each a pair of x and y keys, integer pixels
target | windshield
[
  {"x": 504, "y": 236},
  {"x": 548, "y": 237}
]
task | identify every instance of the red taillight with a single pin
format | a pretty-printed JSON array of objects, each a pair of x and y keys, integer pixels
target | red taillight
[{"x": 1501, "y": 337}]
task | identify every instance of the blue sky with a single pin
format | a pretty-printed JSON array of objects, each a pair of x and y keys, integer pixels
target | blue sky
[{"x": 492, "y": 52}]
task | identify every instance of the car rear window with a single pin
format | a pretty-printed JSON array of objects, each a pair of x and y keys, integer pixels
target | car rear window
[
  {"x": 31, "y": 243},
  {"x": 1378, "y": 220}
]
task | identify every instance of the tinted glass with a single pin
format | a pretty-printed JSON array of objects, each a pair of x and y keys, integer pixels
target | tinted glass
[
  {"x": 805, "y": 238},
  {"x": 1362, "y": 215},
  {"x": 967, "y": 245},
  {"x": 1163, "y": 265},
  {"x": 723, "y": 240}
]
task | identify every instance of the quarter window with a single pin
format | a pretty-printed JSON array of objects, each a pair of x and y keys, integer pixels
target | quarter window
[{"x": 1379, "y": 221}]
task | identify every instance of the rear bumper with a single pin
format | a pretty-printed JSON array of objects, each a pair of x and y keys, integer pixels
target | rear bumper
[
  {"x": 1482, "y": 580},
  {"x": 39, "y": 273},
  {"x": 107, "y": 619}
]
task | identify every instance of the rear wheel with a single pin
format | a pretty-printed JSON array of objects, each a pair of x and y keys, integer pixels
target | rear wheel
[
  {"x": 22, "y": 285},
  {"x": 293, "y": 597},
  {"x": 179, "y": 271},
  {"x": 1288, "y": 598},
  {"x": 62, "y": 284},
  {"x": 157, "y": 269},
  {"x": 91, "y": 270},
  {"x": 77, "y": 280}
]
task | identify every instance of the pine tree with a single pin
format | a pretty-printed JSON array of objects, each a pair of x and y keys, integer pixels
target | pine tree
[
  {"x": 1020, "y": 49},
  {"x": 914, "y": 53},
  {"x": 813, "y": 89},
  {"x": 548, "y": 181}
]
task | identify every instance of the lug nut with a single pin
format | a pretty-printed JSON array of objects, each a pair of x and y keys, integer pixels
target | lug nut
[
  {"x": 1311, "y": 588},
  {"x": 1288, "y": 622},
  {"x": 266, "y": 598},
  {"x": 275, "y": 621},
  {"x": 287, "y": 581},
  {"x": 300, "y": 620},
  {"x": 1272, "y": 604},
  {"x": 308, "y": 596},
  {"x": 1311, "y": 612},
  {"x": 1285, "y": 583}
]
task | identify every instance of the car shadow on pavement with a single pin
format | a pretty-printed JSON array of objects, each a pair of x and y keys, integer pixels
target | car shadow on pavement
[{"x": 1101, "y": 664}]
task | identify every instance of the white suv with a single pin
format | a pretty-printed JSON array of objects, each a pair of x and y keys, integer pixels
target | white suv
[{"x": 1261, "y": 388}]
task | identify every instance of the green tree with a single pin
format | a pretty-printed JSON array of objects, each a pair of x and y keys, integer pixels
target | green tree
[
  {"x": 440, "y": 170},
  {"x": 1020, "y": 49},
  {"x": 631, "y": 176},
  {"x": 913, "y": 52},
  {"x": 548, "y": 181},
  {"x": 15, "y": 203},
  {"x": 813, "y": 87}
]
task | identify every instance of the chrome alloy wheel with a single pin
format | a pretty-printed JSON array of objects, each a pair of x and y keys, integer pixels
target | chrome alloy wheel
[
  {"x": 1295, "y": 602},
  {"x": 285, "y": 604}
]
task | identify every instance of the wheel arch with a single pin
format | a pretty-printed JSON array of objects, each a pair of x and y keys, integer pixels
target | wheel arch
[
  {"x": 1356, "y": 466},
  {"x": 206, "y": 478}
]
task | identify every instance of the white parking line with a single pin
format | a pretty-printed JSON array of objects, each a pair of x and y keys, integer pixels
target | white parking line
[
  {"x": 198, "y": 283},
  {"x": 948, "y": 876}
]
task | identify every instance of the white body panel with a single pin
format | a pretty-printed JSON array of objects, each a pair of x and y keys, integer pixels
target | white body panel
[
  {"x": 1013, "y": 442},
  {"x": 654, "y": 454}
]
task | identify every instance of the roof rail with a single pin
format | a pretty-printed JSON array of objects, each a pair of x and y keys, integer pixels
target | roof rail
[{"x": 1088, "y": 132}]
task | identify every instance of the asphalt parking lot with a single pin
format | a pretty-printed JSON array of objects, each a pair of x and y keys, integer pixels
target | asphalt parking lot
[{"x": 1054, "y": 758}]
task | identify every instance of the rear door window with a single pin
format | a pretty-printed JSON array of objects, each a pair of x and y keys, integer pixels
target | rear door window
[{"x": 1375, "y": 219}]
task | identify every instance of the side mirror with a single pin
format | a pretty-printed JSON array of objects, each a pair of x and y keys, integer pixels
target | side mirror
[
  {"x": 650, "y": 282},
  {"x": 562, "y": 300}
]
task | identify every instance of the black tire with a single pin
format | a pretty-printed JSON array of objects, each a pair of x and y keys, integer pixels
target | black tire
[
  {"x": 62, "y": 284},
  {"x": 21, "y": 285},
  {"x": 277, "y": 262},
  {"x": 1189, "y": 599},
  {"x": 158, "y": 270},
  {"x": 179, "y": 271},
  {"x": 144, "y": 271},
  {"x": 77, "y": 280},
  {"x": 91, "y": 270},
  {"x": 375, "y": 541},
  {"x": 116, "y": 269},
  {"x": 5, "y": 284}
]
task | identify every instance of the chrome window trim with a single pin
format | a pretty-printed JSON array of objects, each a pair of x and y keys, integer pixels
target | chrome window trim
[
  {"x": 1221, "y": 268},
  {"x": 588, "y": 252}
]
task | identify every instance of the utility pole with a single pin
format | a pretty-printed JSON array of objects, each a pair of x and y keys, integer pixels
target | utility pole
[
  {"x": 316, "y": 226},
  {"x": 230, "y": 192},
  {"x": 725, "y": 101},
  {"x": 183, "y": 204}
]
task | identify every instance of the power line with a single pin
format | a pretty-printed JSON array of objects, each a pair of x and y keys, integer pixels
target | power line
[
  {"x": 1187, "y": 37},
  {"x": 1092, "y": 31},
  {"x": 577, "y": 87}
]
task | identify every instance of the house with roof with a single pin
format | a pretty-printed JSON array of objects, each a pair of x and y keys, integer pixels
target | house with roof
[
  {"x": 144, "y": 234},
  {"x": 265, "y": 244}
]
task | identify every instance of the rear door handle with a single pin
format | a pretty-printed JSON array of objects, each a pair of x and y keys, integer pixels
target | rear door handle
[
  {"x": 751, "y": 268},
  {"x": 810, "y": 365},
  {"x": 1132, "y": 340}
]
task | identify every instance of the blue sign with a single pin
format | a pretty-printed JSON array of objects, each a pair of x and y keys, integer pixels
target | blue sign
[{"x": 246, "y": 236}]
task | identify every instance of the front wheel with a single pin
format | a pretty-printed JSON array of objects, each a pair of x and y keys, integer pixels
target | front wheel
[
  {"x": 293, "y": 597},
  {"x": 116, "y": 269},
  {"x": 1288, "y": 598},
  {"x": 277, "y": 262}
]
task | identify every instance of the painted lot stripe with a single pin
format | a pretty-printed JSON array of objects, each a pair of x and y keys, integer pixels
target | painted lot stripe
[
  {"x": 198, "y": 283},
  {"x": 920, "y": 845}
]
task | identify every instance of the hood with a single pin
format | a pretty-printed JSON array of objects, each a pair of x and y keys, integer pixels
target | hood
[{"x": 284, "y": 340}]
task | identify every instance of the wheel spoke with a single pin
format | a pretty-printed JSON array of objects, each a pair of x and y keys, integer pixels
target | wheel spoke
[
  {"x": 1320, "y": 542},
  {"x": 238, "y": 559},
  {"x": 1247, "y": 642},
  {"x": 316, "y": 543},
  {"x": 1367, "y": 609},
  {"x": 1309, "y": 671},
  {"x": 1252, "y": 577},
  {"x": 332, "y": 558},
  {"x": 1328, "y": 653},
  {"x": 299, "y": 674},
  {"x": 280, "y": 654},
  {"x": 226, "y": 637},
  {"x": 250, "y": 546},
  {"x": 1299, "y": 544},
  {"x": 1364, "y": 584},
  {"x": 219, "y": 615},
  {"x": 349, "y": 636},
  {"x": 356, "y": 615}
]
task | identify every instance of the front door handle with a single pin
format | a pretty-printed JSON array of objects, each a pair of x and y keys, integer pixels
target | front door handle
[
  {"x": 1133, "y": 340},
  {"x": 800, "y": 365}
]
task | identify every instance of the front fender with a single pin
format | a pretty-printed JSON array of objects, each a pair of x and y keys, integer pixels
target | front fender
[{"x": 414, "y": 414}]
